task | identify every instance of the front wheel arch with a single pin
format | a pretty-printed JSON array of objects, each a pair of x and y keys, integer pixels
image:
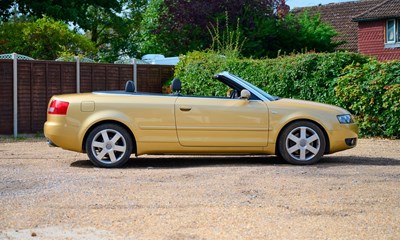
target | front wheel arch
[
  {"x": 134, "y": 147},
  {"x": 327, "y": 140}
]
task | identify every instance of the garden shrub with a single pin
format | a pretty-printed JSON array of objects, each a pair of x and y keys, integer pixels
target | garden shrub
[
  {"x": 366, "y": 87},
  {"x": 372, "y": 92}
]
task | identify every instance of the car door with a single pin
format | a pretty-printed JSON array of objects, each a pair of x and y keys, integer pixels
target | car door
[{"x": 221, "y": 122}]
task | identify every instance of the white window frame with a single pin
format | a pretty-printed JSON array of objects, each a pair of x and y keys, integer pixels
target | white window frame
[
  {"x": 397, "y": 31},
  {"x": 393, "y": 31},
  {"x": 396, "y": 35}
]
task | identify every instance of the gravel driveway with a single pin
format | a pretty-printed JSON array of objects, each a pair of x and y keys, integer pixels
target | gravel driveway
[{"x": 49, "y": 193}]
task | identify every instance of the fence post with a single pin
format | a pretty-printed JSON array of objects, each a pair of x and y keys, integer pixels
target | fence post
[
  {"x": 15, "y": 94},
  {"x": 78, "y": 74},
  {"x": 135, "y": 73}
]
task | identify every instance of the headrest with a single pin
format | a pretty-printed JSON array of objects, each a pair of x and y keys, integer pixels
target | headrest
[
  {"x": 176, "y": 85},
  {"x": 130, "y": 86}
]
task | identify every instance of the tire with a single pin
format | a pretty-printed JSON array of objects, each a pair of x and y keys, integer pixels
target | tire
[
  {"x": 109, "y": 145},
  {"x": 302, "y": 143}
]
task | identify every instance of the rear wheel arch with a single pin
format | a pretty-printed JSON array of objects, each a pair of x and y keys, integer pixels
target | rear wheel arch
[{"x": 134, "y": 147}]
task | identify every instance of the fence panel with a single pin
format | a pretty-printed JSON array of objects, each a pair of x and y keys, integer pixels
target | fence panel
[
  {"x": 6, "y": 97},
  {"x": 26, "y": 101},
  {"x": 39, "y": 80}
]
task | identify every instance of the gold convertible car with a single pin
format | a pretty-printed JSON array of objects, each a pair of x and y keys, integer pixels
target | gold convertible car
[{"x": 111, "y": 125}]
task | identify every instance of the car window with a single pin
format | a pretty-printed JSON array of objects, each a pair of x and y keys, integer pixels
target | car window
[{"x": 212, "y": 88}]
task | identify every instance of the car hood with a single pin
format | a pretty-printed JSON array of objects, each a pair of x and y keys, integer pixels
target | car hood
[{"x": 299, "y": 105}]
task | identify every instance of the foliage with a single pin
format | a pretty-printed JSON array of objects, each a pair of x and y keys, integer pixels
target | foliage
[
  {"x": 196, "y": 70},
  {"x": 293, "y": 33},
  {"x": 302, "y": 76},
  {"x": 130, "y": 28},
  {"x": 226, "y": 42},
  {"x": 115, "y": 35},
  {"x": 174, "y": 27},
  {"x": 68, "y": 11},
  {"x": 369, "y": 89},
  {"x": 150, "y": 35},
  {"x": 43, "y": 39},
  {"x": 313, "y": 34},
  {"x": 113, "y": 26},
  {"x": 372, "y": 92}
]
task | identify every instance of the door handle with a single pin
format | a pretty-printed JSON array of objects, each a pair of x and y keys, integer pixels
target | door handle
[{"x": 185, "y": 108}]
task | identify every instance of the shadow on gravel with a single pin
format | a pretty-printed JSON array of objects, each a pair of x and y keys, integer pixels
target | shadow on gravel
[
  {"x": 190, "y": 161},
  {"x": 203, "y": 161},
  {"x": 329, "y": 161}
]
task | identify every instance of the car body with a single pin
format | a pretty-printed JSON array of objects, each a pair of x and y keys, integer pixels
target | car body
[{"x": 111, "y": 125}]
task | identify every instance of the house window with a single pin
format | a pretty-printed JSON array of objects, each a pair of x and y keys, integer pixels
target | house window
[
  {"x": 392, "y": 38},
  {"x": 391, "y": 31}
]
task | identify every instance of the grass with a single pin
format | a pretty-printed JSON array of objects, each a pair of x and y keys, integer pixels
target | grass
[{"x": 23, "y": 138}]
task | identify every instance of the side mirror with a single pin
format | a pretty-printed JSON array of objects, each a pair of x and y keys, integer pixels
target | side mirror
[{"x": 245, "y": 94}]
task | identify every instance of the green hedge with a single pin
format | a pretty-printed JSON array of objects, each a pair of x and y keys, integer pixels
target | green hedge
[
  {"x": 372, "y": 92},
  {"x": 369, "y": 89}
]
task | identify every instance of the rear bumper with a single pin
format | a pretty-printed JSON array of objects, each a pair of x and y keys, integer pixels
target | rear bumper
[
  {"x": 50, "y": 143},
  {"x": 60, "y": 134}
]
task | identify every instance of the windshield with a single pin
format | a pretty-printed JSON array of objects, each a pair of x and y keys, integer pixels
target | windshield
[{"x": 258, "y": 90}]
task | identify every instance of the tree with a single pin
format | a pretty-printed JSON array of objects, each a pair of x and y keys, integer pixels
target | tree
[
  {"x": 115, "y": 35},
  {"x": 292, "y": 33},
  {"x": 67, "y": 11},
  {"x": 315, "y": 34},
  {"x": 112, "y": 25},
  {"x": 172, "y": 27},
  {"x": 44, "y": 39}
]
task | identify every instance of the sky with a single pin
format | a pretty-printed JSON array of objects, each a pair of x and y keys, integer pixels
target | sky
[{"x": 308, "y": 3}]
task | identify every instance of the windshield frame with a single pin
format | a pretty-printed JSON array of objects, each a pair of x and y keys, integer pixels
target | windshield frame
[{"x": 250, "y": 87}]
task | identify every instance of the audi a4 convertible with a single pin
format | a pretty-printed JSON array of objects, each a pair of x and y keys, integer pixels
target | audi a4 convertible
[{"x": 110, "y": 126}]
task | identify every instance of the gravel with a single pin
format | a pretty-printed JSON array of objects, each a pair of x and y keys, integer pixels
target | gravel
[{"x": 50, "y": 193}]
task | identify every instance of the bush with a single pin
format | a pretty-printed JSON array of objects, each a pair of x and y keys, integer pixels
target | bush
[
  {"x": 371, "y": 90},
  {"x": 304, "y": 76}
]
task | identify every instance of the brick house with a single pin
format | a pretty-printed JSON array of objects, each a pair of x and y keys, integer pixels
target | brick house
[
  {"x": 379, "y": 31},
  {"x": 369, "y": 27}
]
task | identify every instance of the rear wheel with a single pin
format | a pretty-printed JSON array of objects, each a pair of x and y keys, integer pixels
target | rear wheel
[
  {"x": 302, "y": 143},
  {"x": 109, "y": 145}
]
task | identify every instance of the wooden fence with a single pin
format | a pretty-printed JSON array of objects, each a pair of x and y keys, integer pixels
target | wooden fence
[{"x": 39, "y": 80}]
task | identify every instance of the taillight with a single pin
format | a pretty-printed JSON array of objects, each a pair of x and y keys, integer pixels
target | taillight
[{"x": 58, "y": 107}]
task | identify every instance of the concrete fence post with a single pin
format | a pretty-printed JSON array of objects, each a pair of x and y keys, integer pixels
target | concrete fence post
[
  {"x": 78, "y": 74},
  {"x": 15, "y": 94},
  {"x": 135, "y": 73}
]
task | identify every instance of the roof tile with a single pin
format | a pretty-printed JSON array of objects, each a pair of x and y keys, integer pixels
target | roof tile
[
  {"x": 384, "y": 10},
  {"x": 339, "y": 16}
]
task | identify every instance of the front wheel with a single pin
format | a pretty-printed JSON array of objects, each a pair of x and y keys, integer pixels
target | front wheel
[
  {"x": 302, "y": 143},
  {"x": 109, "y": 145}
]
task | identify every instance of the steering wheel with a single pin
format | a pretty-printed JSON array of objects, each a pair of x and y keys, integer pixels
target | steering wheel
[{"x": 234, "y": 94}]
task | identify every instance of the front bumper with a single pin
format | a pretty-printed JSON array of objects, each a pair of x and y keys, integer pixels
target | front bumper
[
  {"x": 343, "y": 137},
  {"x": 351, "y": 142}
]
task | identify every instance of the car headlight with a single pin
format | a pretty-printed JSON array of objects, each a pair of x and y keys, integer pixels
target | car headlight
[{"x": 345, "y": 118}]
